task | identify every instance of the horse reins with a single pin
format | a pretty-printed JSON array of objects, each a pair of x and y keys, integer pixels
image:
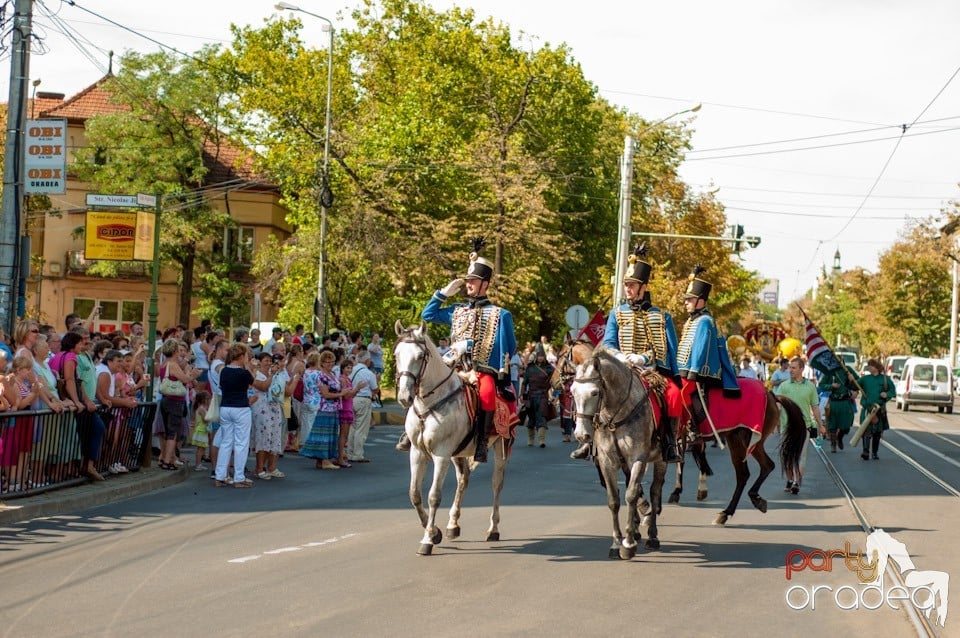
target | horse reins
[
  {"x": 612, "y": 423},
  {"x": 417, "y": 378}
]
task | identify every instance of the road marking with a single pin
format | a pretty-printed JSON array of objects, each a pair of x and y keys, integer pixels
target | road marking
[
  {"x": 285, "y": 550},
  {"x": 927, "y": 419},
  {"x": 927, "y": 448}
]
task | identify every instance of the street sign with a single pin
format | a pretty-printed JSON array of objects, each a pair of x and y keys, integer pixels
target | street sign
[
  {"x": 112, "y": 201},
  {"x": 146, "y": 200},
  {"x": 577, "y": 317}
]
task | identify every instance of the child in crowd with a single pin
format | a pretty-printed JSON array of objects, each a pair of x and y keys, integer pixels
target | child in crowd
[{"x": 199, "y": 437}]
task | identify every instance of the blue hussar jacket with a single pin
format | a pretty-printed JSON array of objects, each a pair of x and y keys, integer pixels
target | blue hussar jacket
[
  {"x": 702, "y": 355},
  {"x": 488, "y": 327},
  {"x": 638, "y": 328}
]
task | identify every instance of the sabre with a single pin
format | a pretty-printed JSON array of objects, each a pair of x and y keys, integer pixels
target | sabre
[{"x": 713, "y": 428}]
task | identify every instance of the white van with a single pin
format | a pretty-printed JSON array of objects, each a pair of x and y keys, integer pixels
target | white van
[
  {"x": 895, "y": 365},
  {"x": 925, "y": 382}
]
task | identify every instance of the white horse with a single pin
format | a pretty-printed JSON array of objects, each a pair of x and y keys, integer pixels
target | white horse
[
  {"x": 440, "y": 429},
  {"x": 882, "y": 546},
  {"x": 613, "y": 411}
]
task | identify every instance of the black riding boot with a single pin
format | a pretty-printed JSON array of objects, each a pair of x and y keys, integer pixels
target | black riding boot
[
  {"x": 668, "y": 439},
  {"x": 403, "y": 445},
  {"x": 481, "y": 425},
  {"x": 875, "y": 445}
]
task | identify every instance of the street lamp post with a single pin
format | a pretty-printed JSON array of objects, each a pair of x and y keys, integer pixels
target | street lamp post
[
  {"x": 324, "y": 194},
  {"x": 626, "y": 184}
]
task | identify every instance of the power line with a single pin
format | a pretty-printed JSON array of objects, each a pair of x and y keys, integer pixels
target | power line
[
  {"x": 822, "y": 146},
  {"x": 822, "y": 194},
  {"x": 815, "y": 137}
]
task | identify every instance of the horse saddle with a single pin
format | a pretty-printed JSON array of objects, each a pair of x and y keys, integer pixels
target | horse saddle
[{"x": 655, "y": 384}]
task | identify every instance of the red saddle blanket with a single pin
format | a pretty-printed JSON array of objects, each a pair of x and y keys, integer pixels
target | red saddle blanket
[
  {"x": 748, "y": 411},
  {"x": 505, "y": 417}
]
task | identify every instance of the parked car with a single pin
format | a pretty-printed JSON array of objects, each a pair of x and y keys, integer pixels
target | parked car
[
  {"x": 925, "y": 382},
  {"x": 895, "y": 366},
  {"x": 848, "y": 357}
]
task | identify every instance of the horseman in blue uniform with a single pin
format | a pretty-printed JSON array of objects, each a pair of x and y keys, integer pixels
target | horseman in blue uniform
[
  {"x": 702, "y": 357},
  {"x": 643, "y": 335},
  {"x": 480, "y": 330}
]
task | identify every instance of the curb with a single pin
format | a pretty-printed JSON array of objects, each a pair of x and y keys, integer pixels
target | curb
[
  {"x": 387, "y": 417},
  {"x": 68, "y": 499}
]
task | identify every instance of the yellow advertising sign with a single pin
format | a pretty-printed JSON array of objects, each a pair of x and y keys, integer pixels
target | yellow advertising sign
[
  {"x": 143, "y": 243},
  {"x": 110, "y": 236}
]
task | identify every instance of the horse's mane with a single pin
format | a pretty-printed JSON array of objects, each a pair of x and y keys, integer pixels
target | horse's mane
[{"x": 601, "y": 353}]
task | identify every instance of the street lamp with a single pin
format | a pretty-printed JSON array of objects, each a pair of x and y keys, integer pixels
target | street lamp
[
  {"x": 324, "y": 194},
  {"x": 626, "y": 184}
]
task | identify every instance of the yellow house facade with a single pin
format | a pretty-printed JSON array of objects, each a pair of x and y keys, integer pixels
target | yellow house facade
[{"x": 59, "y": 282}]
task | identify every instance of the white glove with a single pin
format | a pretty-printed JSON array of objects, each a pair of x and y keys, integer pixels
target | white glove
[
  {"x": 622, "y": 358},
  {"x": 452, "y": 288},
  {"x": 637, "y": 359}
]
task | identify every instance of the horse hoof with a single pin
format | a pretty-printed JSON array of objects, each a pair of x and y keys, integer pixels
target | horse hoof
[
  {"x": 453, "y": 532},
  {"x": 626, "y": 553},
  {"x": 493, "y": 536},
  {"x": 721, "y": 519},
  {"x": 702, "y": 496},
  {"x": 436, "y": 538},
  {"x": 760, "y": 504},
  {"x": 674, "y": 497},
  {"x": 425, "y": 549},
  {"x": 614, "y": 553},
  {"x": 652, "y": 543}
]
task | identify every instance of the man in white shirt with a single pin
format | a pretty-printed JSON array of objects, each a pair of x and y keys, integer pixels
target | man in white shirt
[
  {"x": 746, "y": 371},
  {"x": 277, "y": 334},
  {"x": 362, "y": 403}
]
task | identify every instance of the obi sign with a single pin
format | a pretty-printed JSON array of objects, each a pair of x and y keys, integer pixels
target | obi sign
[
  {"x": 45, "y": 159},
  {"x": 119, "y": 236}
]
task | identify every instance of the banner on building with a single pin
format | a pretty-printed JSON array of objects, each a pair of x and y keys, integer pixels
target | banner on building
[
  {"x": 45, "y": 159},
  {"x": 119, "y": 236}
]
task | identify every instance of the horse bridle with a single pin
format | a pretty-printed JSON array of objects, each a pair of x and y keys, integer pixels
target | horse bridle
[
  {"x": 418, "y": 378},
  {"x": 612, "y": 423}
]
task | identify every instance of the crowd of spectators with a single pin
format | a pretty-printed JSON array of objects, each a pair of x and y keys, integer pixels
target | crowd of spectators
[{"x": 291, "y": 393}]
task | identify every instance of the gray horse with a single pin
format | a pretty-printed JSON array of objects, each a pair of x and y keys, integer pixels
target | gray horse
[
  {"x": 613, "y": 412},
  {"x": 440, "y": 430}
]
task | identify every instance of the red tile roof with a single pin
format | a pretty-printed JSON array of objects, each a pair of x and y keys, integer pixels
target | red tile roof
[
  {"x": 93, "y": 100},
  {"x": 224, "y": 163}
]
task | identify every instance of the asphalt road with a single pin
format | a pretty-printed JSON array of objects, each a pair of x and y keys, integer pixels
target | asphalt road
[{"x": 334, "y": 553}]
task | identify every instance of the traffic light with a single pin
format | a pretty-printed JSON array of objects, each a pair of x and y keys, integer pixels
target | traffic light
[{"x": 736, "y": 233}]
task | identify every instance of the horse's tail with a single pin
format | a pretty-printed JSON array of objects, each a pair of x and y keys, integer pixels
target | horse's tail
[{"x": 795, "y": 437}]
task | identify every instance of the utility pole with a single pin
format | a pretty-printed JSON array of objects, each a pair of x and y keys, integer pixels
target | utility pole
[
  {"x": 12, "y": 204},
  {"x": 623, "y": 219}
]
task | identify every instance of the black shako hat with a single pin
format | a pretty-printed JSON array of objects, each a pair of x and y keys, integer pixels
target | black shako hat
[
  {"x": 638, "y": 270},
  {"x": 698, "y": 287},
  {"x": 479, "y": 268}
]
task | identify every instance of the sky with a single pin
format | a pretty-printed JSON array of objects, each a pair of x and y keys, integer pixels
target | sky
[{"x": 836, "y": 78}]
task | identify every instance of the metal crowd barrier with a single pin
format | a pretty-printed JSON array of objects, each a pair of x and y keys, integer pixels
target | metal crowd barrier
[{"x": 42, "y": 450}]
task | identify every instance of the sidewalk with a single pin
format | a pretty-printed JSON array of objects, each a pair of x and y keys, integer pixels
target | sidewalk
[{"x": 124, "y": 486}]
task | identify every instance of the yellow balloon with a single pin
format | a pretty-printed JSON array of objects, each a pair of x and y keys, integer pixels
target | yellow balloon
[
  {"x": 791, "y": 347},
  {"x": 737, "y": 345}
]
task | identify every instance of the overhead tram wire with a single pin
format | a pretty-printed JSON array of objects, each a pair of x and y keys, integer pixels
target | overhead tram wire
[
  {"x": 816, "y": 137},
  {"x": 902, "y": 135},
  {"x": 906, "y": 127}
]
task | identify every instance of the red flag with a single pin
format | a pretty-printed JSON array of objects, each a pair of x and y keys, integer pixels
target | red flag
[{"x": 594, "y": 329}]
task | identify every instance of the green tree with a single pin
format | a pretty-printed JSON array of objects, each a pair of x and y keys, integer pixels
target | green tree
[{"x": 163, "y": 140}]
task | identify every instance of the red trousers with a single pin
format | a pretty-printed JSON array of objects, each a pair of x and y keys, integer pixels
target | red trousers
[
  {"x": 487, "y": 387},
  {"x": 674, "y": 399}
]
